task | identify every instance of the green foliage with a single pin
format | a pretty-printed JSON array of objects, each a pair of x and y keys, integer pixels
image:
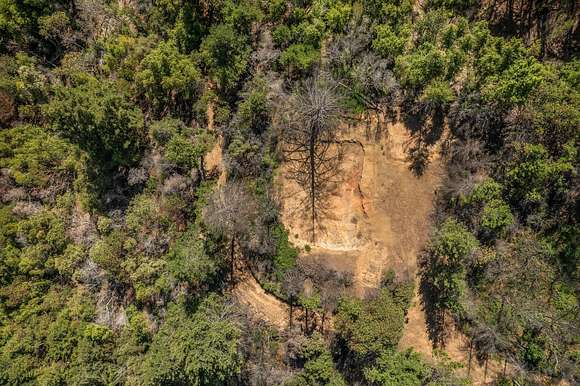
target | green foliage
[
  {"x": 533, "y": 174},
  {"x": 19, "y": 19},
  {"x": 370, "y": 327},
  {"x": 168, "y": 80},
  {"x": 182, "y": 152},
  {"x": 496, "y": 216},
  {"x": 453, "y": 243},
  {"x": 124, "y": 55},
  {"x": 437, "y": 94},
  {"x": 192, "y": 261},
  {"x": 298, "y": 59},
  {"x": 198, "y": 349},
  {"x": 37, "y": 159},
  {"x": 432, "y": 27},
  {"x": 282, "y": 35},
  {"x": 485, "y": 191},
  {"x": 420, "y": 67},
  {"x": 276, "y": 9},
  {"x": 393, "y": 368},
  {"x": 555, "y": 109},
  {"x": 97, "y": 333},
  {"x": 446, "y": 254},
  {"x": 311, "y": 302},
  {"x": 244, "y": 155},
  {"x": 391, "y": 10},
  {"x": 109, "y": 251},
  {"x": 225, "y": 54},
  {"x": 514, "y": 85},
  {"x": 44, "y": 235},
  {"x": 99, "y": 117},
  {"x": 286, "y": 253},
  {"x": 388, "y": 43},
  {"x": 309, "y": 32},
  {"x": 11, "y": 20},
  {"x": 338, "y": 16},
  {"x": 241, "y": 15},
  {"x": 254, "y": 111},
  {"x": 318, "y": 367},
  {"x": 164, "y": 130}
]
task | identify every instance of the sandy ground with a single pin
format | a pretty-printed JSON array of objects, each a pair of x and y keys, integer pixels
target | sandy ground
[
  {"x": 376, "y": 217},
  {"x": 377, "y": 214},
  {"x": 250, "y": 293},
  {"x": 213, "y": 160}
]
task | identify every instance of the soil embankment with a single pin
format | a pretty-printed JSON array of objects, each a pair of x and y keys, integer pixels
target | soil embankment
[{"x": 376, "y": 217}]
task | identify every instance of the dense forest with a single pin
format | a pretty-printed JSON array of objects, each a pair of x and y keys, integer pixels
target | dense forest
[{"x": 141, "y": 142}]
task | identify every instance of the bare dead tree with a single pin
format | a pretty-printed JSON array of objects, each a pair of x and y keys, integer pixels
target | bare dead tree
[
  {"x": 293, "y": 284},
  {"x": 232, "y": 212},
  {"x": 309, "y": 132}
]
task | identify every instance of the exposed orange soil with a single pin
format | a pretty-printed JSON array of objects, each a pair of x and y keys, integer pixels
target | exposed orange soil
[
  {"x": 213, "y": 160},
  {"x": 376, "y": 217},
  {"x": 250, "y": 293}
]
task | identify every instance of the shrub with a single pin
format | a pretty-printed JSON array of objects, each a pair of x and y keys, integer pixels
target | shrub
[{"x": 299, "y": 59}]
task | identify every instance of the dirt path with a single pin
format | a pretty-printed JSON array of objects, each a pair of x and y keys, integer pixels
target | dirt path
[
  {"x": 213, "y": 160},
  {"x": 250, "y": 293}
]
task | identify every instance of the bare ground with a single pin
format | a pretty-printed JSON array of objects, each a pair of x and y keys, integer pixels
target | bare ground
[
  {"x": 377, "y": 217},
  {"x": 377, "y": 214},
  {"x": 250, "y": 293}
]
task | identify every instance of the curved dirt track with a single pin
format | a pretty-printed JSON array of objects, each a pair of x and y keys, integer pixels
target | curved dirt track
[{"x": 250, "y": 293}]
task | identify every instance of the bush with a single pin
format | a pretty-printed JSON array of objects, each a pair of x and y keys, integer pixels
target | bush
[
  {"x": 398, "y": 368},
  {"x": 417, "y": 69},
  {"x": 168, "y": 80},
  {"x": 183, "y": 153},
  {"x": 100, "y": 118},
  {"x": 370, "y": 327},
  {"x": 437, "y": 94},
  {"x": 387, "y": 43},
  {"x": 298, "y": 59},
  {"x": 318, "y": 366},
  {"x": 225, "y": 54},
  {"x": 496, "y": 216},
  {"x": 198, "y": 348},
  {"x": 444, "y": 268}
]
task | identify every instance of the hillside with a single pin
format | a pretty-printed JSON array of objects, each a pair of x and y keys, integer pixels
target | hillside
[{"x": 289, "y": 192}]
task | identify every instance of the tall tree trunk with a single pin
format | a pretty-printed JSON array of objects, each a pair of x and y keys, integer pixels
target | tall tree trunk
[
  {"x": 291, "y": 305},
  {"x": 232, "y": 260},
  {"x": 485, "y": 370},
  {"x": 470, "y": 354}
]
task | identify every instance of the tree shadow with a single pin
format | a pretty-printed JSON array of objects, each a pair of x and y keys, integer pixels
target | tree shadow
[
  {"x": 435, "y": 317},
  {"x": 426, "y": 129},
  {"x": 315, "y": 205}
]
